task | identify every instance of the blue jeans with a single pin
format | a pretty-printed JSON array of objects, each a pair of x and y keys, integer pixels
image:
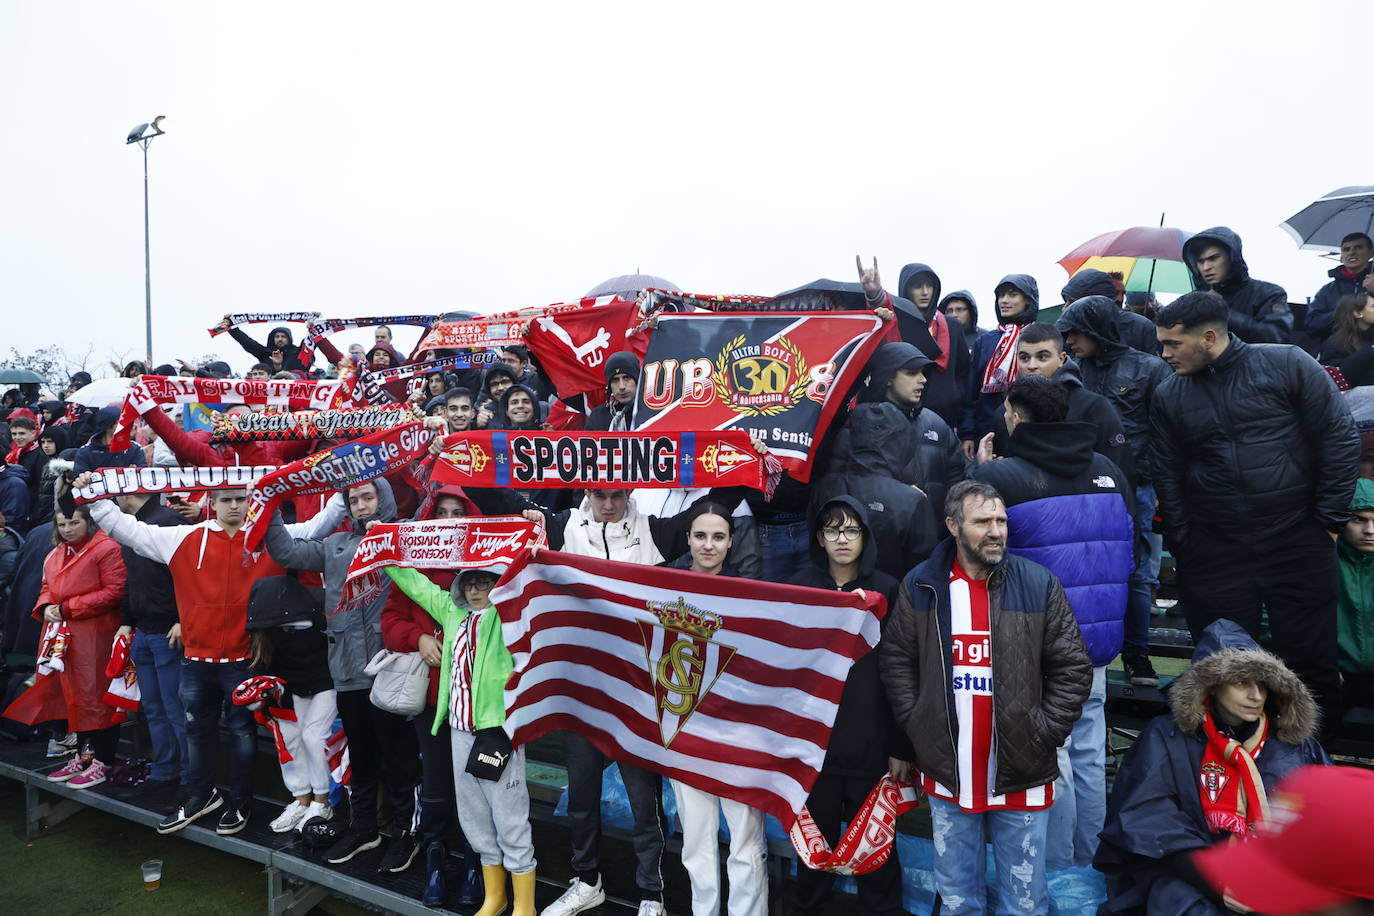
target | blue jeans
[
  {"x": 205, "y": 690},
  {"x": 1146, "y": 574},
  {"x": 1080, "y": 792},
  {"x": 159, "y": 687},
  {"x": 785, "y": 548},
  {"x": 1018, "y": 850}
]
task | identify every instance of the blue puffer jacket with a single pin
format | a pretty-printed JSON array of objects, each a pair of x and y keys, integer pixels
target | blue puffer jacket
[{"x": 1069, "y": 509}]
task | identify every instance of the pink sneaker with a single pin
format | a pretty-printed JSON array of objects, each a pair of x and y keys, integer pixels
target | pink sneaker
[
  {"x": 74, "y": 766},
  {"x": 93, "y": 775}
]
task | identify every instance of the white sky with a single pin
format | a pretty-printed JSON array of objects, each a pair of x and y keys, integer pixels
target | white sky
[{"x": 405, "y": 158}]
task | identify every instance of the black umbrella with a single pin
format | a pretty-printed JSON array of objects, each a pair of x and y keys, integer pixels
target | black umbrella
[{"x": 833, "y": 294}]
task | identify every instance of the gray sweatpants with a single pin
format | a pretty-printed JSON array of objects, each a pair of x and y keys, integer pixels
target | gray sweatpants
[{"x": 494, "y": 814}]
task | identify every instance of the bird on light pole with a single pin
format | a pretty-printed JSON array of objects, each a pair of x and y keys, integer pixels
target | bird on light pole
[{"x": 143, "y": 135}]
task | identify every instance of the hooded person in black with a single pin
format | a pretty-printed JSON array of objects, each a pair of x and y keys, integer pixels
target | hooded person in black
[
  {"x": 536, "y": 410},
  {"x": 970, "y": 317},
  {"x": 947, "y": 379},
  {"x": 865, "y": 740},
  {"x": 279, "y": 345},
  {"x": 489, "y": 401},
  {"x": 901, "y": 516},
  {"x": 1134, "y": 330},
  {"x": 96, "y": 453},
  {"x": 1018, "y": 302},
  {"x": 618, "y": 411},
  {"x": 1259, "y": 310}
]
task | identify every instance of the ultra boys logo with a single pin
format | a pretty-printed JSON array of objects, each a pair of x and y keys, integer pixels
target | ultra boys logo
[{"x": 684, "y": 661}]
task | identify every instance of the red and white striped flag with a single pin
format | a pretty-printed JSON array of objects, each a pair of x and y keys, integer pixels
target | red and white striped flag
[
  {"x": 729, "y": 685},
  {"x": 336, "y": 755}
]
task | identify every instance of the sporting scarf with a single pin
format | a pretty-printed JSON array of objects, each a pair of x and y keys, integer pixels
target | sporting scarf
[
  {"x": 440, "y": 543},
  {"x": 867, "y": 844},
  {"x": 124, "y": 481},
  {"x": 241, "y": 318},
  {"x": 1233, "y": 797},
  {"x": 298, "y": 425},
  {"x": 19, "y": 451},
  {"x": 151, "y": 390},
  {"x": 264, "y": 696},
  {"x": 52, "y": 646},
  {"x": 371, "y": 382},
  {"x": 335, "y": 468},
  {"x": 1001, "y": 368},
  {"x": 939, "y": 330},
  {"x": 123, "y": 693},
  {"x": 535, "y": 459},
  {"x": 317, "y": 330},
  {"x": 499, "y": 330}
]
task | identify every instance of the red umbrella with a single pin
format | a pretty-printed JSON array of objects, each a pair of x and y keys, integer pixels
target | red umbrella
[{"x": 1149, "y": 257}]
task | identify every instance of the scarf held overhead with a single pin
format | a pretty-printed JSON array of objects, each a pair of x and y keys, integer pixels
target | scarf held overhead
[
  {"x": 330, "y": 423},
  {"x": 572, "y": 346},
  {"x": 318, "y": 329},
  {"x": 242, "y": 318},
  {"x": 577, "y": 460},
  {"x": 1233, "y": 797},
  {"x": 125, "y": 481},
  {"x": 336, "y": 468},
  {"x": 499, "y": 330},
  {"x": 151, "y": 390}
]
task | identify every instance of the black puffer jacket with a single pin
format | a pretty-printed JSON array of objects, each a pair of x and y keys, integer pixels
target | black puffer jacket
[
  {"x": 1124, "y": 376},
  {"x": 1039, "y": 664},
  {"x": 865, "y": 733},
  {"x": 1259, "y": 310},
  {"x": 945, "y": 388},
  {"x": 902, "y": 519},
  {"x": 1252, "y": 448},
  {"x": 1134, "y": 330}
]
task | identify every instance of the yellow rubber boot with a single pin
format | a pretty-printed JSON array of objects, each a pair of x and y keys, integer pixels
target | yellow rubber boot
[
  {"x": 523, "y": 886},
  {"x": 494, "y": 886}
]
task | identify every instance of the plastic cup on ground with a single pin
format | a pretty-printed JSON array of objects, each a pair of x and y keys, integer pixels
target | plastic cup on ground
[{"x": 152, "y": 874}]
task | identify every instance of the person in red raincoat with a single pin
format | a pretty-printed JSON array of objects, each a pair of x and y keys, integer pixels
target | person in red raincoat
[{"x": 83, "y": 586}]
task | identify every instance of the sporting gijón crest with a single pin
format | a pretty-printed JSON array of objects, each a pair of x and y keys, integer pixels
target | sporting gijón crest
[
  {"x": 684, "y": 661},
  {"x": 1214, "y": 779}
]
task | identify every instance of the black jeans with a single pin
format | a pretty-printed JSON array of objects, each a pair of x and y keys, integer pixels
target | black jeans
[
  {"x": 438, "y": 811},
  {"x": 645, "y": 790},
  {"x": 834, "y": 799},
  {"x": 381, "y": 749},
  {"x": 1296, "y": 581},
  {"x": 205, "y": 689}
]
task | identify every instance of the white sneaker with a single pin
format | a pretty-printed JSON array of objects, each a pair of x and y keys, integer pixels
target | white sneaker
[
  {"x": 290, "y": 818},
  {"x": 576, "y": 898},
  {"x": 650, "y": 908},
  {"x": 316, "y": 809}
]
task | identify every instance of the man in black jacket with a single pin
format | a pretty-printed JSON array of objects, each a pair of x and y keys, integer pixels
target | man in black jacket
[
  {"x": 1254, "y": 457},
  {"x": 865, "y": 742},
  {"x": 150, "y": 617},
  {"x": 1133, "y": 330},
  {"x": 1259, "y": 310},
  {"x": 1127, "y": 378},
  {"x": 947, "y": 377},
  {"x": 1347, "y": 278},
  {"x": 622, "y": 384}
]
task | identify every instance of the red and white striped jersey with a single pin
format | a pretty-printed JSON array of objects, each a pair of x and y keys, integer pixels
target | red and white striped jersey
[{"x": 976, "y": 750}]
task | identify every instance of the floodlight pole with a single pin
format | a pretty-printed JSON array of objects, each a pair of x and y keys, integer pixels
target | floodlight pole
[{"x": 143, "y": 137}]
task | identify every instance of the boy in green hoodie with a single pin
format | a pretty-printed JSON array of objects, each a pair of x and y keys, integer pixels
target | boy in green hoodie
[{"x": 1355, "y": 610}]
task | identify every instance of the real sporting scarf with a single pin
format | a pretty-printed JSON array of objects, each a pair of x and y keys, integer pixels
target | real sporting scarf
[
  {"x": 441, "y": 543},
  {"x": 867, "y": 844},
  {"x": 318, "y": 329},
  {"x": 298, "y": 425},
  {"x": 1001, "y": 369},
  {"x": 572, "y": 346},
  {"x": 371, "y": 382},
  {"x": 535, "y": 459},
  {"x": 241, "y": 318},
  {"x": 336, "y": 468},
  {"x": 1233, "y": 796},
  {"x": 151, "y": 390},
  {"x": 502, "y": 329},
  {"x": 123, "y": 693},
  {"x": 780, "y": 376},
  {"x": 125, "y": 481},
  {"x": 264, "y": 696}
]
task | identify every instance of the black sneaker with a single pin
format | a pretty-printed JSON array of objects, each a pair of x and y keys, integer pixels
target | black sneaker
[
  {"x": 352, "y": 842},
  {"x": 1141, "y": 672},
  {"x": 231, "y": 821},
  {"x": 192, "y": 809},
  {"x": 400, "y": 852}
]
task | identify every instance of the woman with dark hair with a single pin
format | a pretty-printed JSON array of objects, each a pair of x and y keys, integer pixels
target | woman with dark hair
[
  {"x": 1352, "y": 329},
  {"x": 83, "y": 587}
]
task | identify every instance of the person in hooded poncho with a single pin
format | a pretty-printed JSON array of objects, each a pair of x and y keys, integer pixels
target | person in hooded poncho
[{"x": 1239, "y": 720}]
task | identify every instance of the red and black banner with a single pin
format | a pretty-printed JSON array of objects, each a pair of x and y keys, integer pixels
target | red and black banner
[
  {"x": 552, "y": 460},
  {"x": 779, "y": 377}
]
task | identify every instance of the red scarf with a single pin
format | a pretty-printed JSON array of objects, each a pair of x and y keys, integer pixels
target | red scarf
[
  {"x": 1001, "y": 370},
  {"x": 939, "y": 329},
  {"x": 19, "y": 451},
  {"x": 1233, "y": 798},
  {"x": 868, "y": 842},
  {"x": 264, "y": 696}
]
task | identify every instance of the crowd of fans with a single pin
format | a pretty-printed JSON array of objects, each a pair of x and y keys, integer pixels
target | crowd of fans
[{"x": 1010, "y": 498}]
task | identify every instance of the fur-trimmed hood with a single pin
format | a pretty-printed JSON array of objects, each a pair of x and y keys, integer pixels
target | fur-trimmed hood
[{"x": 1226, "y": 654}]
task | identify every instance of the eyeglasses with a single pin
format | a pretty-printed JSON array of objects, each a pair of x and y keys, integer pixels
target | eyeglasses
[{"x": 850, "y": 533}]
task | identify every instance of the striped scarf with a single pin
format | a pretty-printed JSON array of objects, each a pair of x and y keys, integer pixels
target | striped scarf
[
  {"x": 460, "y": 712},
  {"x": 1233, "y": 798},
  {"x": 1001, "y": 367}
]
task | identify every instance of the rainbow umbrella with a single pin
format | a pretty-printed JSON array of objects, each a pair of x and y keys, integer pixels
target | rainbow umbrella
[{"x": 1149, "y": 257}]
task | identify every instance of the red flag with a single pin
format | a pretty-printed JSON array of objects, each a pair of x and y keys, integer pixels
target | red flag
[
  {"x": 729, "y": 685},
  {"x": 572, "y": 346}
]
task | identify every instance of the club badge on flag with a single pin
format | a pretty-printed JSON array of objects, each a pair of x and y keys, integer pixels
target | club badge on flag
[
  {"x": 778, "y": 376},
  {"x": 729, "y": 685},
  {"x": 576, "y": 460}
]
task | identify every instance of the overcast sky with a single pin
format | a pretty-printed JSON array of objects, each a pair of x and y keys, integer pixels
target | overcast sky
[{"x": 405, "y": 158}]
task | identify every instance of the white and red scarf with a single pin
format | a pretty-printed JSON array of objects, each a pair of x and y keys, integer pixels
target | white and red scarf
[
  {"x": 265, "y": 696},
  {"x": 867, "y": 844},
  {"x": 1233, "y": 797},
  {"x": 1002, "y": 369},
  {"x": 123, "y": 693},
  {"x": 52, "y": 646}
]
